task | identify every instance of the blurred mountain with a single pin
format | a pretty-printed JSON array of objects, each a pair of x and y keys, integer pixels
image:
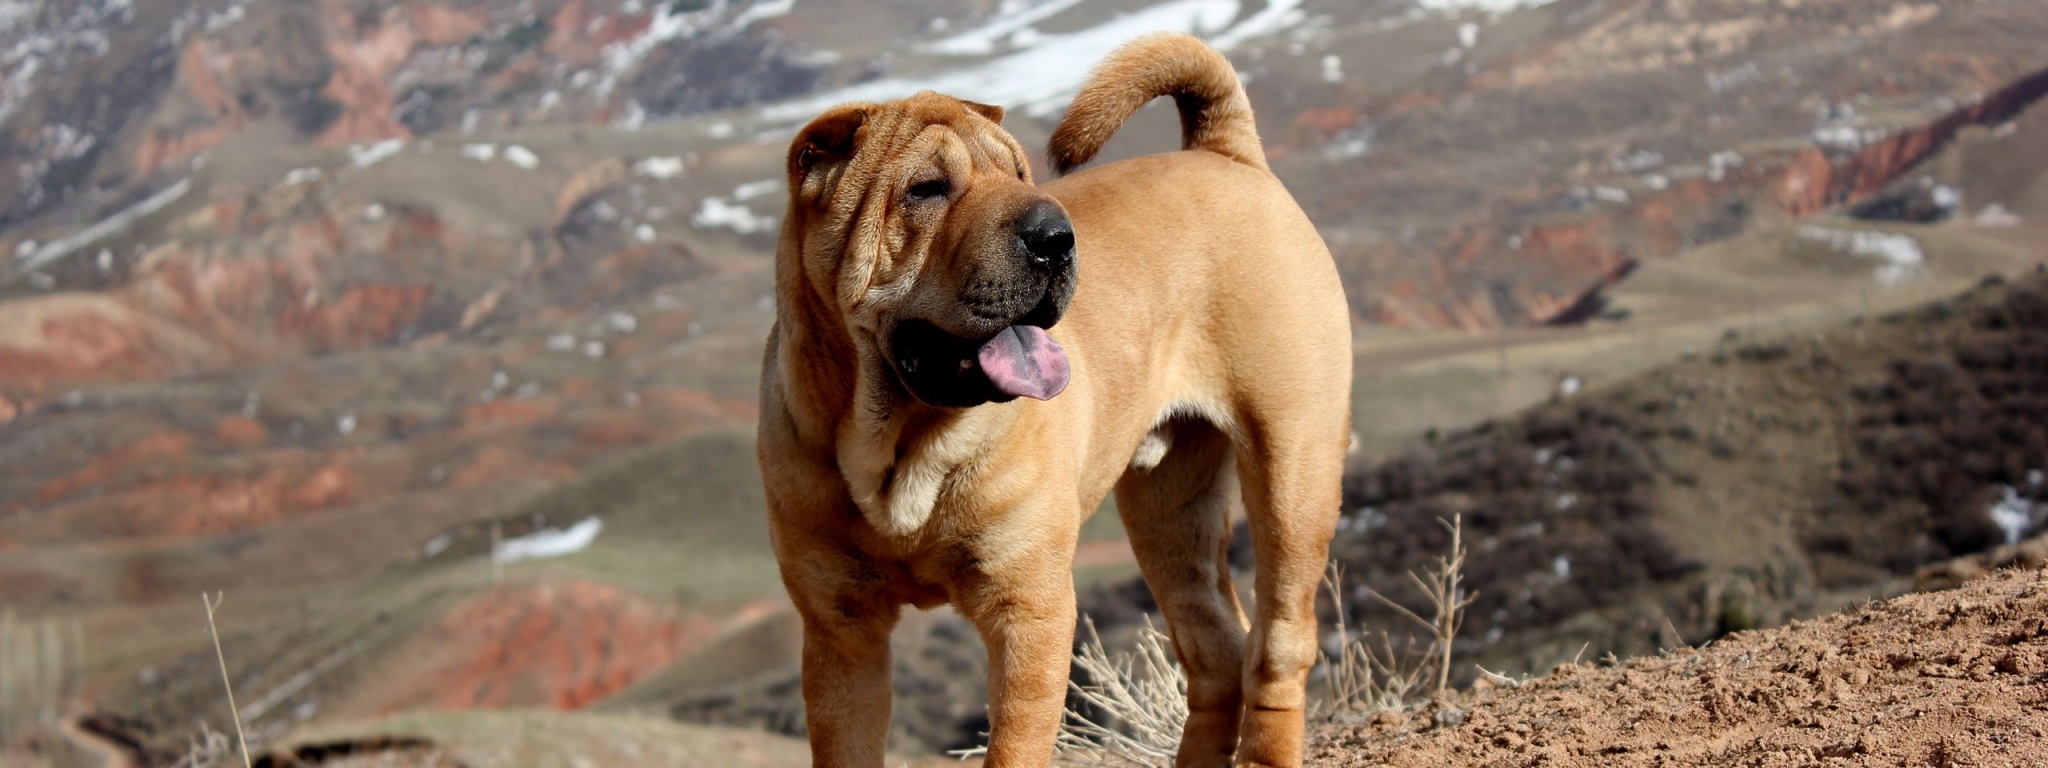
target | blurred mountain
[{"x": 299, "y": 288}]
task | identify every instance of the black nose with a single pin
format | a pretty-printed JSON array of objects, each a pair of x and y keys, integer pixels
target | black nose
[{"x": 1047, "y": 235}]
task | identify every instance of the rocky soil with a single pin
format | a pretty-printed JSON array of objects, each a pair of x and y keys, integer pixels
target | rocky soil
[{"x": 1940, "y": 679}]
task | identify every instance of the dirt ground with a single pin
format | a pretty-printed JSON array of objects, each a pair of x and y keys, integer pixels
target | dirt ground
[{"x": 1954, "y": 678}]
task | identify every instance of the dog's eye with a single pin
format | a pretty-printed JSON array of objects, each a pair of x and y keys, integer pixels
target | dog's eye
[{"x": 929, "y": 190}]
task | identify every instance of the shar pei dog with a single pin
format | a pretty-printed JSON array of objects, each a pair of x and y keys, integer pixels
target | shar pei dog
[{"x": 964, "y": 363}]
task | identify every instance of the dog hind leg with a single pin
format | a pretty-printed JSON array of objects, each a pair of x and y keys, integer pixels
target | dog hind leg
[
  {"x": 1176, "y": 514},
  {"x": 1292, "y": 475}
]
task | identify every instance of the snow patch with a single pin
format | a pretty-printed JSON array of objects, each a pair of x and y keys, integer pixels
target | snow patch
[
  {"x": 632, "y": 117},
  {"x": 1489, "y": 6},
  {"x": 1899, "y": 256},
  {"x": 37, "y": 256},
  {"x": 1363, "y": 520},
  {"x": 1278, "y": 16},
  {"x": 1060, "y": 62},
  {"x": 1011, "y": 17},
  {"x": 1726, "y": 79},
  {"x": 1946, "y": 197},
  {"x": 234, "y": 14},
  {"x": 659, "y": 167},
  {"x": 1719, "y": 163},
  {"x": 549, "y": 542},
  {"x": 366, "y": 156},
  {"x": 1353, "y": 144},
  {"x": 2013, "y": 514},
  {"x": 754, "y": 189},
  {"x": 522, "y": 157},
  {"x": 666, "y": 26},
  {"x": 1639, "y": 160},
  {"x": 716, "y": 212},
  {"x": 480, "y": 152},
  {"x": 1841, "y": 127},
  {"x": 762, "y": 10},
  {"x": 1995, "y": 215},
  {"x": 1838, "y": 136}
]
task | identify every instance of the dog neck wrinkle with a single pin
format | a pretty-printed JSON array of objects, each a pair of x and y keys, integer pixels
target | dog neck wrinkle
[
  {"x": 814, "y": 369},
  {"x": 821, "y": 392},
  {"x": 899, "y": 465}
]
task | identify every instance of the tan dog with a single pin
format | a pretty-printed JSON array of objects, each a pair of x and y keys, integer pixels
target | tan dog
[{"x": 1176, "y": 330}]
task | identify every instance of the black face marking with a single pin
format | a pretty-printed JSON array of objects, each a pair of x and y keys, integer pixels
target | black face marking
[
  {"x": 944, "y": 369},
  {"x": 941, "y": 368}
]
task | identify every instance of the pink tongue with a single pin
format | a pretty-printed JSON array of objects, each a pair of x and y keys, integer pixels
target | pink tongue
[{"x": 1024, "y": 361}]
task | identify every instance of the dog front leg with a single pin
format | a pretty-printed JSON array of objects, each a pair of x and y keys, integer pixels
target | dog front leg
[
  {"x": 847, "y": 689},
  {"x": 847, "y": 616},
  {"x": 1027, "y": 622}
]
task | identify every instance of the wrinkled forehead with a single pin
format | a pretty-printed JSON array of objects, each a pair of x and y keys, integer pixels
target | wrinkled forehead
[{"x": 935, "y": 127}]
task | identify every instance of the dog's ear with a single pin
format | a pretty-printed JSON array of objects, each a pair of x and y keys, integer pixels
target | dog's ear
[
  {"x": 990, "y": 111},
  {"x": 831, "y": 138}
]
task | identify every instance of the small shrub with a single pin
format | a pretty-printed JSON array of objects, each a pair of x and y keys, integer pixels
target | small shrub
[{"x": 1127, "y": 707}]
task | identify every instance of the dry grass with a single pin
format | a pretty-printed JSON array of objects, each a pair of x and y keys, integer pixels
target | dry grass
[
  {"x": 1135, "y": 701},
  {"x": 1142, "y": 700},
  {"x": 207, "y": 749},
  {"x": 213, "y": 602},
  {"x": 40, "y": 666},
  {"x": 1442, "y": 586},
  {"x": 1359, "y": 679}
]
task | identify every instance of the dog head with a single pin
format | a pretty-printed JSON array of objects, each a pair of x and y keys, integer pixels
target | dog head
[{"x": 917, "y": 221}]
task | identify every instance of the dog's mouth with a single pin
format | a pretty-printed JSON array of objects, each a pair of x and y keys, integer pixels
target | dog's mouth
[
  {"x": 943, "y": 369},
  {"x": 987, "y": 342}
]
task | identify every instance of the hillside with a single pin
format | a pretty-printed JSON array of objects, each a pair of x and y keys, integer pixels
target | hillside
[
  {"x": 1766, "y": 478},
  {"x": 1952, "y": 677}
]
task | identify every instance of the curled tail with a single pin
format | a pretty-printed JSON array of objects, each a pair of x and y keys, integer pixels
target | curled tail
[{"x": 1214, "y": 113}]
